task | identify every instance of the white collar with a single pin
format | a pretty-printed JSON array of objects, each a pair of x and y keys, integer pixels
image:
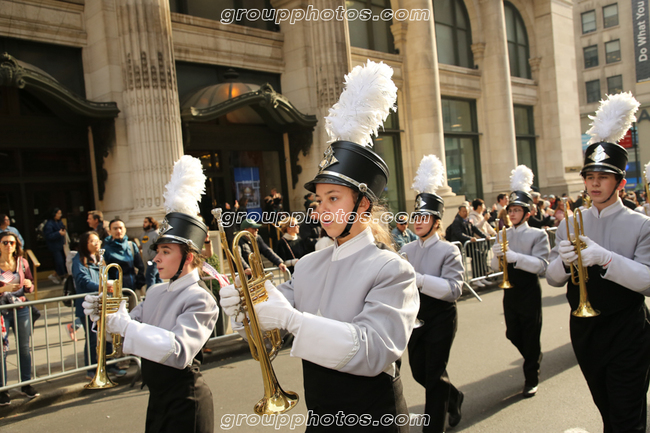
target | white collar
[
  {"x": 430, "y": 241},
  {"x": 290, "y": 237},
  {"x": 184, "y": 281},
  {"x": 521, "y": 227},
  {"x": 609, "y": 210},
  {"x": 353, "y": 246}
]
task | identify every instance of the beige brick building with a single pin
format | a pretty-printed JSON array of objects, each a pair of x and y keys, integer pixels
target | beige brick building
[
  {"x": 483, "y": 84},
  {"x": 611, "y": 57}
]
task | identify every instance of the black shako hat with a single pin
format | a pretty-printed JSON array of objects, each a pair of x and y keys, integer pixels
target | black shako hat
[
  {"x": 605, "y": 157},
  {"x": 181, "y": 228},
  {"x": 427, "y": 203},
  {"x": 520, "y": 198},
  {"x": 357, "y": 167}
]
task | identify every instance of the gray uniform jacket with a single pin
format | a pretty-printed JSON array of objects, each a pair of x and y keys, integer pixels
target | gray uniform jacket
[
  {"x": 440, "y": 264},
  {"x": 623, "y": 232},
  {"x": 359, "y": 303},
  {"x": 172, "y": 323},
  {"x": 532, "y": 245}
]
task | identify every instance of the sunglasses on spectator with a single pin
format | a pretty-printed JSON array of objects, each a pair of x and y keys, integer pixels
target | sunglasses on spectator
[{"x": 12, "y": 243}]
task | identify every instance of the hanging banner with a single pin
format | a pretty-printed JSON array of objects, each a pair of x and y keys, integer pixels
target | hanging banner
[{"x": 640, "y": 25}]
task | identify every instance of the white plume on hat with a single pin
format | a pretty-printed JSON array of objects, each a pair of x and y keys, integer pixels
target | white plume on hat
[
  {"x": 613, "y": 118},
  {"x": 521, "y": 179},
  {"x": 364, "y": 105},
  {"x": 187, "y": 185},
  {"x": 430, "y": 175},
  {"x": 647, "y": 172}
]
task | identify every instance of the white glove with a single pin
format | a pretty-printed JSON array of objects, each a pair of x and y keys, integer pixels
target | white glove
[
  {"x": 497, "y": 249},
  {"x": 594, "y": 254},
  {"x": 117, "y": 322},
  {"x": 419, "y": 280},
  {"x": 231, "y": 301},
  {"x": 567, "y": 252},
  {"x": 511, "y": 256},
  {"x": 91, "y": 307},
  {"x": 277, "y": 312}
]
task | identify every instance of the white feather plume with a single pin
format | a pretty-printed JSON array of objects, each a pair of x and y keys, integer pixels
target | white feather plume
[
  {"x": 647, "y": 172},
  {"x": 364, "y": 105},
  {"x": 430, "y": 175},
  {"x": 521, "y": 179},
  {"x": 184, "y": 190},
  {"x": 613, "y": 118}
]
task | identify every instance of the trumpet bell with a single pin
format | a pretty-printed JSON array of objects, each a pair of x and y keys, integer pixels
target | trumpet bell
[
  {"x": 101, "y": 380},
  {"x": 585, "y": 310},
  {"x": 280, "y": 402},
  {"x": 505, "y": 285}
]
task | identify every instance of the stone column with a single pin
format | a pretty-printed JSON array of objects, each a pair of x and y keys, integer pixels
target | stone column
[
  {"x": 557, "y": 120},
  {"x": 416, "y": 41},
  {"x": 495, "y": 110},
  {"x": 150, "y": 95}
]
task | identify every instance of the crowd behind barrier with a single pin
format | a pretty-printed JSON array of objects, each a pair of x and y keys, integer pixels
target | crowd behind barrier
[{"x": 54, "y": 354}]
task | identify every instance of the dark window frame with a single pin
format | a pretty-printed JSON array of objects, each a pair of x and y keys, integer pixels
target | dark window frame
[
  {"x": 611, "y": 24},
  {"x": 611, "y": 91},
  {"x": 368, "y": 4},
  {"x": 518, "y": 18},
  {"x": 582, "y": 21},
  {"x": 592, "y": 100},
  {"x": 584, "y": 54},
  {"x": 607, "y": 55},
  {"x": 529, "y": 137},
  {"x": 182, "y": 7},
  {"x": 454, "y": 33}
]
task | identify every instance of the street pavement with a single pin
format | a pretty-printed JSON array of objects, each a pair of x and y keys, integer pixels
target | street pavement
[{"x": 484, "y": 365}]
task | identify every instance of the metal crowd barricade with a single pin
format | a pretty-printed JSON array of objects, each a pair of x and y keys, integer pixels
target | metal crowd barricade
[
  {"x": 551, "y": 236},
  {"x": 220, "y": 332},
  {"x": 53, "y": 354}
]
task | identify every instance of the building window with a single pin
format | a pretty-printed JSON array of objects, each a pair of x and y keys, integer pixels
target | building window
[
  {"x": 517, "y": 42},
  {"x": 388, "y": 146},
  {"x": 588, "y": 22},
  {"x": 591, "y": 56},
  {"x": 371, "y": 34},
  {"x": 525, "y": 137},
  {"x": 614, "y": 84},
  {"x": 453, "y": 33},
  {"x": 258, "y": 14},
  {"x": 461, "y": 147},
  {"x": 613, "y": 51},
  {"x": 593, "y": 91},
  {"x": 610, "y": 15}
]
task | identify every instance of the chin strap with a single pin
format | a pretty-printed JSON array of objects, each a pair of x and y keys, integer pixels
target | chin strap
[
  {"x": 615, "y": 190},
  {"x": 180, "y": 268},
  {"x": 352, "y": 217},
  {"x": 432, "y": 226}
]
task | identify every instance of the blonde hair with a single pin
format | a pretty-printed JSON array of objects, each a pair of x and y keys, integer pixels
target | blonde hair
[
  {"x": 287, "y": 222},
  {"x": 380, "y": 230}
]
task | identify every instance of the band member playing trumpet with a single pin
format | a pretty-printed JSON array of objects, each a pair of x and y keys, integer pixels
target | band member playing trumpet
[
  {"x": 527, "y": 257},
  {"x": 352, "y": 306},
  {"x": 439, "y": 277},
  {"x": 168, "y": 329},
  {"x": 612, "y": 348}
]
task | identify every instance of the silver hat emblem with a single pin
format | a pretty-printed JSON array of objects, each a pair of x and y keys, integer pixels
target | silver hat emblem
[
  {"x": 513, "y": 196},
  {"x": 328, "y": 159},
  {"x": 420, "y": 203},
  {"x": 164, "y": 227},
  {"x": 598, "y": 154}
]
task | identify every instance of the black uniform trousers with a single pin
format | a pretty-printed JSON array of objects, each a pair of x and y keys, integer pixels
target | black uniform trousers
[
  {"x": 429, "y": 349},
  {"x": 613, "y": 351},
  {"x": 522, "y": 309},
  {"x": 345, "y": 402},
  {"x": 179, "y": 400}
]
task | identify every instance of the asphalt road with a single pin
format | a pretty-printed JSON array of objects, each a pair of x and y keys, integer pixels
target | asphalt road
[{"x": 484, "y": 365}]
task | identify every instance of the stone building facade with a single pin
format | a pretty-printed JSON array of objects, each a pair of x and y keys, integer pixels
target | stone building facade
[{"x": 483, "y": 84}]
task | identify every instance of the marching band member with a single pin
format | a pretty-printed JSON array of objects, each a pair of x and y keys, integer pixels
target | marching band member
[
  {"x": 527, "y": 258},
  {"x": 351, "y": 307},
  {"x": 613, "y": 348},
  {"x": 168, "y": 329},
  {"x": 439, "y": 277}
]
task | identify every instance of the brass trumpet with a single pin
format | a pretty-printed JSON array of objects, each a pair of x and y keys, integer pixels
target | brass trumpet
[
  {"x": 252, "y": 291},
  {"x": 503, "y": 262},
  {"x": 109, "y": 305},
  {"x": 578, "y": 271}
]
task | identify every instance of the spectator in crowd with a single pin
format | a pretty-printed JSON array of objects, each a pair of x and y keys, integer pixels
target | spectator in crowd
[
  {"x": 626, "y": 201},
  {"x": 246, "y": 246},
  {"x": 310, "y": 230},
  {"x": 290, "y": 247},
  {"x": 479, "y": 216},
  {"x": 401, "y": 234},
  {"x": 273, "y": 201},
  {"x": 148, "y": 238},
  {"x": 96, "y": 222},
  {"x": 537, "y": 217},
  {"x": 560, "y": 212},
  {"x": 504, "y": 219},
  {"x": 5, "y": 226},
  {"x": 85, "y": 271},
  {"x": 119, "y": 249},
  {"x": 21, "y": 282},
  {"x": 502, "y": 202},
  {"x": 462, "y": 230},
  {"x": 309, "y": 199},
  {"x": 324, "y": 242},
  {"x": 55, "y": 237}
]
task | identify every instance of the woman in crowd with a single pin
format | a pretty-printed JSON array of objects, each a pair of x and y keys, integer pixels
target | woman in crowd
[
  {"x": 290, "y": 247},
  {"x": 55, "y": 237},
  {"x": 21, "y": 282}
]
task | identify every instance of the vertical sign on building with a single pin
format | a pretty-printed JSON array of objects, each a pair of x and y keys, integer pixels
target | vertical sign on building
[{"x": 640, "y": 20}]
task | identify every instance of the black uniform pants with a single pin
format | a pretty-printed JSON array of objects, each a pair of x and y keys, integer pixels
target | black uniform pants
[
  {"x": 429, "y": 349},
  {"x": 613, "y": 352},
  {"x": 522, "y": 308}
]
